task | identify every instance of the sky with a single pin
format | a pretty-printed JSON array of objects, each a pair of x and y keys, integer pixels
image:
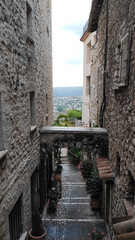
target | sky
[{"x": 68, "y": 20}]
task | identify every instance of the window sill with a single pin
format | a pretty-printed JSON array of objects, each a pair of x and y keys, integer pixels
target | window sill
[
  {"x": 23, "y": 236},
  {"x": 33, "y": 128},
  {"x": 3, "y": 154},
  {"x": 119, "y": 87}
]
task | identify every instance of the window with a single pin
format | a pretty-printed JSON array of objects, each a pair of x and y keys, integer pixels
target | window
[
  {"x": 98, "y": 85},
  {"x": 88, "y": 53},
  {"x": 32, "y": 109},
  {"x": 122, "y": 53},
  {"x": 117, "y": 164},
  {"x": 15, "y": 221},
  {"x": 1, "y": 128},
  {"x": 29, "y": 21},
  {"x": 47, "y": 110},
  {"x": 88, "y": 86},
  {"x": 124, "y": 61},
  {"x": 131, "y": 187}
]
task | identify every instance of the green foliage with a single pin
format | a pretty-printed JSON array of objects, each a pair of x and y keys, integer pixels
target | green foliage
[
  {"x": 86, "y": 168},
  {"x": 96, "y": 235},
  {"x": 95, "y": 125},
  {"x": 53, "y": 198},
  {"x": 77, "y": 153},
  {"x": 93, "y": 184},
  {"x": 90, "y": 172},
  {"x": 64, "y": 120},
  {"x": 62, "y": 116},
  {"x": 37, "y": 229},
  {"x": 76, "y": 114}
]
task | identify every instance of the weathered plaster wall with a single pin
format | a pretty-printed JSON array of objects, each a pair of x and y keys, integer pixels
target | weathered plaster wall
[{"x": 26, "y": 66}]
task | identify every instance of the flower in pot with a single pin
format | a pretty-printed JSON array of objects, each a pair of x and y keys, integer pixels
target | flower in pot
[
  {"x": 37, "y": 231},
  {"x": 52, "y": 204},
  {"x": 96, "y": 235},
  {"x": 53, "y": 195},
  {"x": 52, "y": 200}
]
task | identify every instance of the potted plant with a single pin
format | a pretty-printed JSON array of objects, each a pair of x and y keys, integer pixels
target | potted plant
[
  {"x": 52, "y": 201},
  {"x": 94, "y": 187},
  {"x": 86, "y": 168},
  {"x": 37, "y": 231},
  {"x": 96, "y": 235},
  {"x": 51, "y": 206},
  {"x": 57, "y": 172}
]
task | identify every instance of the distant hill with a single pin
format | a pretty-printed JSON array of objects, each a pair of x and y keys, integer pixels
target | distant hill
[{"x": 67, "y": 91}]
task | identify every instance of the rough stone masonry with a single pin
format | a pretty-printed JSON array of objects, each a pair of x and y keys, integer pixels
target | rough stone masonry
[
  {"x": 114, "y": 54},
  {"x": 25, "y": 102}
]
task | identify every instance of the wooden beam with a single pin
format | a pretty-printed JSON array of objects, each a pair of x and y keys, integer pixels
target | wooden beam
[
  {"x": 126, "y": 236},
  {"x": 125, "y": 227},
  {"x": 121, "y": 219}
]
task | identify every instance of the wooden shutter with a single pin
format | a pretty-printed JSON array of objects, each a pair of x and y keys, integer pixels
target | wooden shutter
[{"x": 124, "y": 63}]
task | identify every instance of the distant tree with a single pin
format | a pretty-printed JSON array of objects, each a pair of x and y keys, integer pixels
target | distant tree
[
  {"x": 61, "y": 116},
  {"x": 75, "y": 114}
]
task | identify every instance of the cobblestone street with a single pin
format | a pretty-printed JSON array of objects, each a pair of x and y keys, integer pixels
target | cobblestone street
[{"x": 74, "y": 218}]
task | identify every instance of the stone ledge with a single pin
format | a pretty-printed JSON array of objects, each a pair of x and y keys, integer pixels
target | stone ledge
[
  {"x": 3, "y": 154},
  {"x": 23, "y": 236},
  {"x": 91, "y": 131},
  {"x": 33, "y": 128}
]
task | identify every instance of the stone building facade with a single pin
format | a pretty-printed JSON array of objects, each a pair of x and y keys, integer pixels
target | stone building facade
[
  {"x": 25, "y": 106},
  {"x": 114, "y": 22},
  {"x": 89, "y": 108}
]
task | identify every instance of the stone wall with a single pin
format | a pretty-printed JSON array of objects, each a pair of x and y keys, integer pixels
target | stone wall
[
  {"x": 93, "y": 139},
  {"x": 26, "y": 66},
  {"x": 119, "y": 115}
]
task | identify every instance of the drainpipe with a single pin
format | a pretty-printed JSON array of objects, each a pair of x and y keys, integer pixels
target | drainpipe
[{"x": 103, "y": 105}]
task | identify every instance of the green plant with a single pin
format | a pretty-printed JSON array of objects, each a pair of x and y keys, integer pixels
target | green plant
[
  {"x": 74, "y": 155},
  {"x": 51, "y": 204},
  {"x": 37, "y": 228},
  {"x": 53, "y": 198},
  {"x": 96, "y": 235},
  {"x": 53, "y": 195},
  {"x": 86, "y": 168},
  {"x": 94, "y": 184},
  {"x": 76, "y": 114},
  {"x": 95, "y": 125}
]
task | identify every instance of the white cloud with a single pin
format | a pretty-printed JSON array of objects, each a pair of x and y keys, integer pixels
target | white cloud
[{"x": 69, "y": 18}]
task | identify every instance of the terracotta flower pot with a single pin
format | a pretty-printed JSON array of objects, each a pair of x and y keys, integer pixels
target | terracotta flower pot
[
  {"x": 42, "y": 237},
  {"x": 51, "y": 210},
  {"x": 57, "y": 176},
  {"x": 95, "y": 203}
]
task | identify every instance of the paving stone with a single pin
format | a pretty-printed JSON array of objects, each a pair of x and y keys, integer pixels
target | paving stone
[{"x": 74, "y": 218}]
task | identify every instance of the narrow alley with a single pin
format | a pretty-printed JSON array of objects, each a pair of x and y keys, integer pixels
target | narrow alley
[{"x": 74, "y": 218}]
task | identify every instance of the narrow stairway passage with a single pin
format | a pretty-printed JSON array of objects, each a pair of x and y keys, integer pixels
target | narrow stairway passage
[{"x": 74, "y": 218}]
